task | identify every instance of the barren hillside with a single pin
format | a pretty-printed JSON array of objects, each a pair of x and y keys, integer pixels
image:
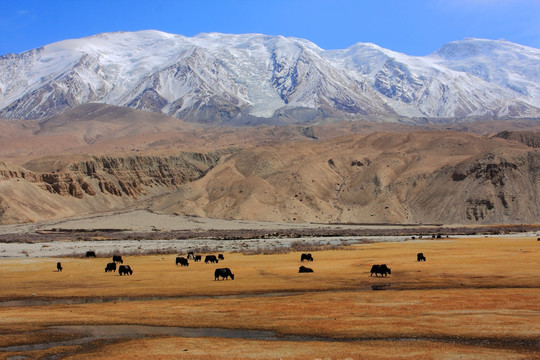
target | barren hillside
[
  {"x": 97, "y": 158},
  {"x": 59, "y": 187},
  {"x": 416, "y": 177}
]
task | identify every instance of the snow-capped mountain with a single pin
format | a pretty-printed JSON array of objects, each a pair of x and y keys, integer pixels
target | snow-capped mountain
[
  {"x": 221, "y": 78},
  {"x": 438, "y": 86}
]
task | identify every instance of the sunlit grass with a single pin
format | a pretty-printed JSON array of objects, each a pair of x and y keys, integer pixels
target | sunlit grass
[{"x": 468, "y": 289}]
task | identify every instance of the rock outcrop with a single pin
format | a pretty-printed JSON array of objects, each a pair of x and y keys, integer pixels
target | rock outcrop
[
  {"x": 96, "y": 179},
  {"x": 528, "y": 138}
]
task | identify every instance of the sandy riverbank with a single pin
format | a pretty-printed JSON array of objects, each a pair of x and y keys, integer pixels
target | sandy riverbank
[{"x": 141, "y": 220}]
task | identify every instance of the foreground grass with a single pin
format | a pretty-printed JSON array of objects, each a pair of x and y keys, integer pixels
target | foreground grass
[{"x": 472, "y": 298}]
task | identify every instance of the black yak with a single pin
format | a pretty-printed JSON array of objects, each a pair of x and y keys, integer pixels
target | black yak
[
  {"x": 182, "y": 261},
  {"x": 306, "y": 257},
  {"x": 303, "y": 269},
  {"x": 224, "y": 273},
  {"x": 125, "y": 270},
  {"x": 110, "y": 267},
  {"x": 380, "y": 269},
  {"x": 211, "y": 259}
]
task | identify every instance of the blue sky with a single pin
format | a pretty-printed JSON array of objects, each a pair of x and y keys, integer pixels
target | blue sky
[{"x": 414, "y": 27}]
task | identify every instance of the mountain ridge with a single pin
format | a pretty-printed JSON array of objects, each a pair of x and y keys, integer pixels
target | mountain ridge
[{"x": 253, "y": 78}]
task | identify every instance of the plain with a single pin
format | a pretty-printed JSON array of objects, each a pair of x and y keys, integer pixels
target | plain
[{"x": 472, "y": 298}]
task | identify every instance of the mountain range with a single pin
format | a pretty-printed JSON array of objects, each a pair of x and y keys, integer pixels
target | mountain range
[
  {"x": 252, "y": 79},
  {"x": 117, "y": 121}
]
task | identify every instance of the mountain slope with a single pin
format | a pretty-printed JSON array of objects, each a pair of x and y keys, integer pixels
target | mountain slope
[
  {"x": 252, "y": 78},
  {"x": 500, "y": 62},
  {"x": 60, "y": 187},
  {"x": 292, "y": 173},
  {"x": 418, "y": 177},
  {"x": 420, "y": 86}
]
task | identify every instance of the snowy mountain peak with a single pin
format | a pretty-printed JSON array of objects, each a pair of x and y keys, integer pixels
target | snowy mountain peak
[
  {"x": 251, "y": 78},
  {"x": 470, "y": 47},
  {"x": 502, "y": 63}
]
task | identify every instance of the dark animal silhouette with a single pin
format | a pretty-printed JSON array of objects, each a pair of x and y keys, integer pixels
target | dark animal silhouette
[
  {"x": 90, "y": 254},
  {"x": 117, "y": 259},
  {"x": 221, "y": 257},
  {"x": 306, "y": 257},
  {"x": 380, "y": 269},
  {"x": 420, "y": 257},
  {"x": 58, "y": 266},
  {"x": 182, "y": 261},
  {"x": 197, "y": 258},
  {"x": 110, "y": 267},
  {"x": 125, "y": 270},
  {"x": 224, "y": 273},
  {"x": 211, "y": 259},
  {"x": 303, "y": 269},
  {"x": 190, "y": 255}
]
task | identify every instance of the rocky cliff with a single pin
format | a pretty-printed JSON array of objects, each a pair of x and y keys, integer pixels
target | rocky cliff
[
  {"x": 528, "y": 138},
  {"x": 48, "y": 188}
]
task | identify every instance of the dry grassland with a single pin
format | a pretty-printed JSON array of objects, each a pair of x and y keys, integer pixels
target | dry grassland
[{"x": 472, "y": 298}]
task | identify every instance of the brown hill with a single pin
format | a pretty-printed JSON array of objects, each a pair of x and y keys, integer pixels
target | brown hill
[
  {"x": 104, "y": 130},
  {"x": 60, "y": 187},
  {"x": 419, "y": 177},
  {"x": 101, "y": 129},
  {"x": 98, "y": 157},
  {"x": 528, "y": 138}
]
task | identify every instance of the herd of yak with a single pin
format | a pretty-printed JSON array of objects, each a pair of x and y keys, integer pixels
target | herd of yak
[{"x": 225, "y": 273}]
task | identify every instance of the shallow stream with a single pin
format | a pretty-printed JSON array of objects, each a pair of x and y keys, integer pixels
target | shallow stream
[{"x": 111, "y": 333}]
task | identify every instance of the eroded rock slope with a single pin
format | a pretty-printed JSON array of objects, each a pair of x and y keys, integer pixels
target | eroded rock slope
[
  {"x": 50, "y": 188},
  {"x": 421, "y": 177}
]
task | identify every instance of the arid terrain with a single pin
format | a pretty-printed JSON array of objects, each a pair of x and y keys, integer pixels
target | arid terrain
[
  {"x": 98, "y": 158},
  {"x": 353, "y": 194},
  {"x": 474, "y": 297}
]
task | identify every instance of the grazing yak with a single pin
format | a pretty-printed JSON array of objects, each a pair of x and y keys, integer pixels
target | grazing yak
[
  {"x": 110, "y": 267},
  {"x": 211, "y": 259},
  {"x": 90, "y": 254},
  {"x": 117, "y": 259},
  {"x": 420, "y": 257},
  {"x": 190, "y": 255},
  {"x": 303, "y": 269},
  {"x": 197, "y": 258},
  {"x": 220, "y": 257},
  {"x": 224, "y": 273},
  {"x": 125, "y": 270},
  {"x": 58, "y": 266},
  {"x": 306, "y": 257},
  {"x": 380, "y": 269},
  {"x": 182, "y": 261}
]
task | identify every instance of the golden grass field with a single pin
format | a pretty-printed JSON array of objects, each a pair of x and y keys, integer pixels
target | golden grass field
[{"x": 473, "y": 298}]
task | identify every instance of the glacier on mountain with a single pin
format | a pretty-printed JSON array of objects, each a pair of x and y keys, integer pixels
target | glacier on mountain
[{"x": 252, "y": 78}]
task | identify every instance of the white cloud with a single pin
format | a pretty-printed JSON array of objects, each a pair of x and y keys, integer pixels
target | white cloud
[{"x": 15, "y": 19}]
